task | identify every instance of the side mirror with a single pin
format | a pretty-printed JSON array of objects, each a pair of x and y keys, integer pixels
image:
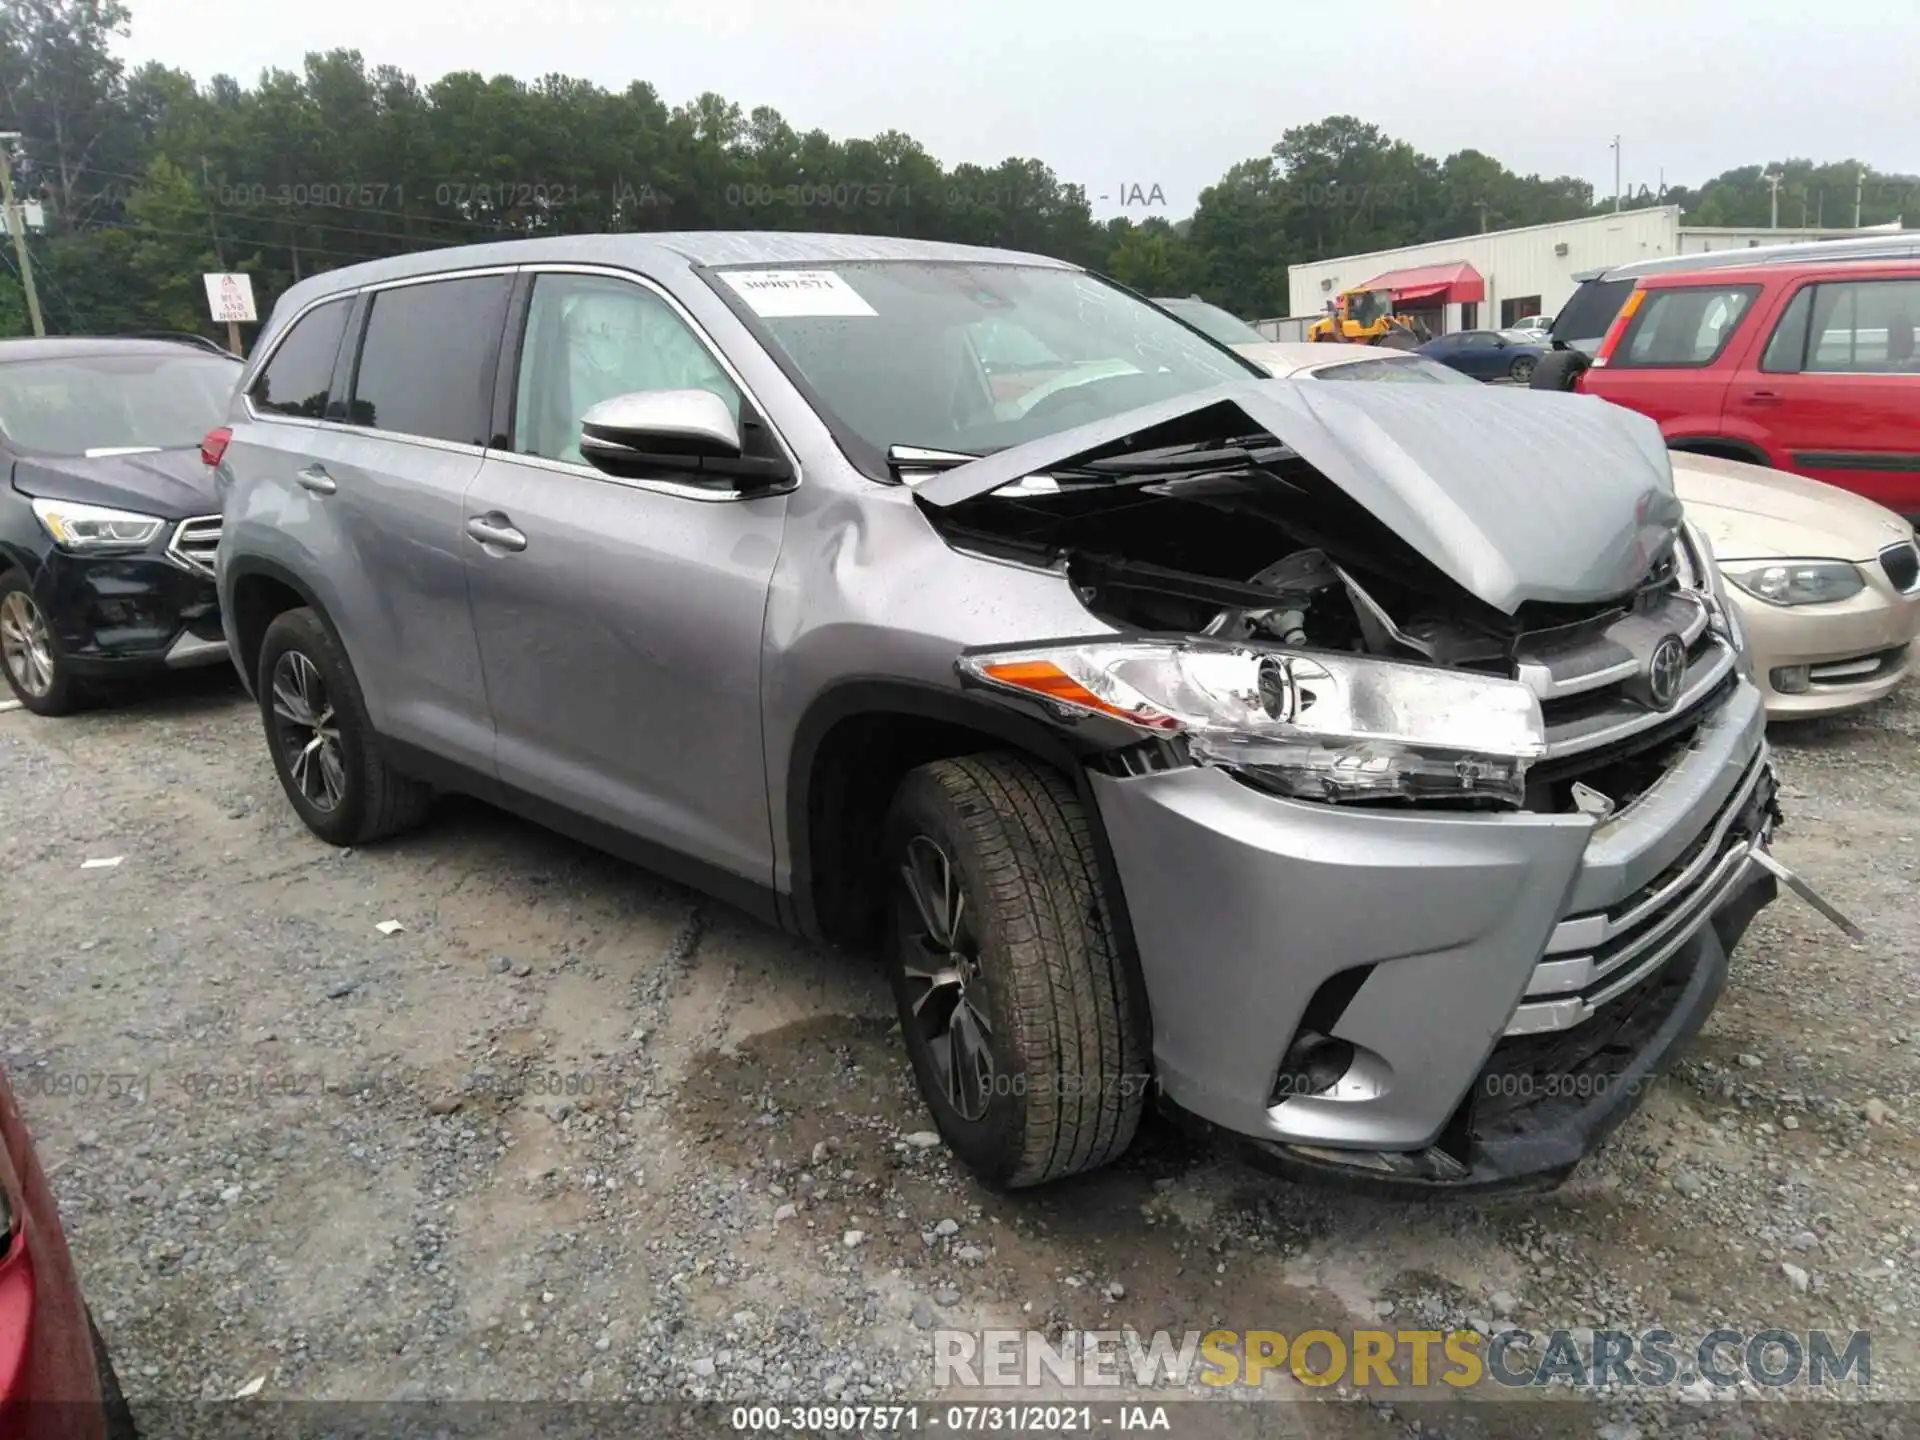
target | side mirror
[{"x": 680, "y": 433}]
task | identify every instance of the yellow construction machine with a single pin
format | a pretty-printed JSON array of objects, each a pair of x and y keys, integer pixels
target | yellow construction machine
[{"x": 1365, "y": 317}]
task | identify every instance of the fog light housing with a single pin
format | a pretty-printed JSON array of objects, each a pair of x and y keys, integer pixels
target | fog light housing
[
  {"x": 1791, "y": 679},
  {"x": 1313, "y": 1065}
]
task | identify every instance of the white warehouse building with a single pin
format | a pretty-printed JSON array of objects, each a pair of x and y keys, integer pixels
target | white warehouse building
[{"x": 1503, "y": 276}]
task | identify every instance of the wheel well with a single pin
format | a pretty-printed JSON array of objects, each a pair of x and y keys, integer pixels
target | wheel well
[
  {"x": 1722, "y": 449},
  {"x": 257, "y": 599},
  {"x": 856, "y": 767}
]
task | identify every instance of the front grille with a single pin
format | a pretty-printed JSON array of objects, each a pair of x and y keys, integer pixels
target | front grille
[
  {"x": 1902, "y": 564},
  {"x": 1591, "y": 960},
  {"x": 194, "y": 543},
  {"x": 1595, "y": 680}
]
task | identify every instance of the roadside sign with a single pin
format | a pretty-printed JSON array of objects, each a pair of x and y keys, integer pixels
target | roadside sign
[{"x": 230, "y": 297}]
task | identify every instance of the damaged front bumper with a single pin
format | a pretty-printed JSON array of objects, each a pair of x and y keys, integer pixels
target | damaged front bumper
[{"x": 1496, "y": 991}]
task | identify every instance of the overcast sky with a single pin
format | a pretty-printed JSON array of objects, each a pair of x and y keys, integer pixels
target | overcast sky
[{"x": 1143, "y": 93}]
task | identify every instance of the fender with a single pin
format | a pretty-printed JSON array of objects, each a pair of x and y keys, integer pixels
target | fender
[
  {"x": 255, "y": 565},
  {"x": 1748, "y": 450},
  {"x": 879, "y": 695}
]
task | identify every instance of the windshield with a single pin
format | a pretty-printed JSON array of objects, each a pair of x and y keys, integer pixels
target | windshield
[
  {"x": 1366, "y": 306},
  {"x": 1212, "y": 321},
  {"x": 1402, "y": 368},
  {"x": 114, "y": 402},
  {"x": 971, "y": 358}
]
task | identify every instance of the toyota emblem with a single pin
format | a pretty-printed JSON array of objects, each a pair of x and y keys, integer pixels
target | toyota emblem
[{"x": 1665, "y": 669}]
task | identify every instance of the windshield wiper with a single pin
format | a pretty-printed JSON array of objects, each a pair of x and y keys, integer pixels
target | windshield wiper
[
  {"x": 1195, "y": 455},
  {"x": 923, "y": 457}
]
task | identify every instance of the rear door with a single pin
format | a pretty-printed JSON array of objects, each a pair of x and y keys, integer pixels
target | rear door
[
  {"x": 1836, "y": 389},
  {"x": 420, "y": 397},
  {"x": 1667, "y": 363}
]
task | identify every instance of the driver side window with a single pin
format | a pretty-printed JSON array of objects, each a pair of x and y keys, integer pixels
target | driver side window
[{"x": 590, "y": 338}]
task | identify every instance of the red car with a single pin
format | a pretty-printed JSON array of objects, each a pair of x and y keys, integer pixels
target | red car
[
  {"x": 1804, "y": 367},
  {"x": 56, "y": 1382}
]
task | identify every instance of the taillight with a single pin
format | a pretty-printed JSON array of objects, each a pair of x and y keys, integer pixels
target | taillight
[
  {"x": 1618, "y": 328},
  {"x": 215, "y": 445}
]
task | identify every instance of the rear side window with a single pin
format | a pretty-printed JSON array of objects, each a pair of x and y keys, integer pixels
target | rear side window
[
  {"x": 427, "y": 359},
  {"x": 1583, "y": 321},
  {"x": 294, "y": 381},
  {"x": 1684, "y": 327}
]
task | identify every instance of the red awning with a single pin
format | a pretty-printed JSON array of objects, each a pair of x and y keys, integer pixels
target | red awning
[{"x": 1455, "y": 284}]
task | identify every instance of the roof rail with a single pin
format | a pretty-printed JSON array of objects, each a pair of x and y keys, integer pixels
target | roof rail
[
  {"x": 1891, "y": 245},
  {"x": 181, "y": 337}
]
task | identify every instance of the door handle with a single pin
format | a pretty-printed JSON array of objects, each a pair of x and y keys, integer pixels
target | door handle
[
  {"x": 495, "y": 529},
  {"x": 1761, "y": 397},
  {"x": 316, "y": 479}
]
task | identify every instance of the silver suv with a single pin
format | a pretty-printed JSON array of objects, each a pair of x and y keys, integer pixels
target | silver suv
[{"x": 1368, "y": 771}]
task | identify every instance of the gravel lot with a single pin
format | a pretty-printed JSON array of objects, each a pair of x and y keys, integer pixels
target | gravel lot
[{"x": 575, "y": 1133}]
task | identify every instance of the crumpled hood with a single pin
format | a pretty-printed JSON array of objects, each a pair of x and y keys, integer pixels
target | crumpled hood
[
  {"x": 1751, "y": 512},
  {"x": 1516, "y": 495},
  {"x": 173, "y": 484}
]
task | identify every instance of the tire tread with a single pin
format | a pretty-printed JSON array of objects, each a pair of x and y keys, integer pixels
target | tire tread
[{"x": 1073, "y": 1003}]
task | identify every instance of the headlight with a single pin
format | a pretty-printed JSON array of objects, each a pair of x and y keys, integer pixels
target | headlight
[
  {"x": 1797, "y": 582},
  {"x": 91, "y": 527},
  {"x": 1311, "y": 725}
]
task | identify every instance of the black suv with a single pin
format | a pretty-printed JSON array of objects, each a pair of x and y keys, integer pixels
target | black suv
[{"x": 108, "y": 515}]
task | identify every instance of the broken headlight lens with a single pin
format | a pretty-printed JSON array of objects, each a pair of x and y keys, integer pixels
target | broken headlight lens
[
  {"x": 1316, "y": 726},
  {"x": 1797, "y": 582},
  {"x": 1700, "y": 571}
]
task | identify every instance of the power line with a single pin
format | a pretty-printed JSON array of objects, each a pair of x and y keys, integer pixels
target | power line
[
  {"x": 427, "y": 217},
  {"x": 136, "y": 227}
]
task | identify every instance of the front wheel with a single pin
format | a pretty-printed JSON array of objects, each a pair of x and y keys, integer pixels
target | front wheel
[
  {"x": 36, "y": 666},
  {"x": 1024, "y": 1024},
  {"x": 1521, "y": 369}
]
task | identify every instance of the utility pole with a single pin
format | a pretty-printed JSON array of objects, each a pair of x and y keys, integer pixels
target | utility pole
[
  {"x": 213, "y": 225},
  {"x": 1859, "y": 187},
  {"x": 1616, "y": 174},
  {"x": 17, "y": 227},
  {"x": 1773, "y": 183},
  {"x": 1482, "y": 206}
]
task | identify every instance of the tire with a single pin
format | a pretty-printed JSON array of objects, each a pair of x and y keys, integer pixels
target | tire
[
  {"x": 117, "y": 1414},
  {"x": 30, "y": 654},
  {"x": 1558, "y": 370},
  {"x": 1038, "y": 965},
  {"x": 342, "y": 786},
  {"x": 1521, "y": 370}
]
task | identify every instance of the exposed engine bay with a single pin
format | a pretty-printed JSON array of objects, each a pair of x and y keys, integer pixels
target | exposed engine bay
[
  {"x": 1265, "y": 549},
  {"x": 1269, "y": 551}
]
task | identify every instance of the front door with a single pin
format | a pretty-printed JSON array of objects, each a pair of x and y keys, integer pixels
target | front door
[{"x": 620, "y": 620}]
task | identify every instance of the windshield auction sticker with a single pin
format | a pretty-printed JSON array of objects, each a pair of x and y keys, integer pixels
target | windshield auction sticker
[{"x": 778, "y": 294}]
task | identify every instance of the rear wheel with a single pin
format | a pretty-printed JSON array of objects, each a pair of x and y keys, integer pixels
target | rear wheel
[
  {"x": 1558, "y": 370},
  {"x": 1521, "y": 369},
  {"x": 1025, "y": 1029},
  {"x": 30, "y": 653},
  {"x": 323, "y": 745}
]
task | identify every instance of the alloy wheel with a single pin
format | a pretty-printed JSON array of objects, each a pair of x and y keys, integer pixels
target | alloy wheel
[
  {"x": 25, "y": 645},
  {"x": 948, "y": 993},
  {"x": 307, "y": 732}
]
